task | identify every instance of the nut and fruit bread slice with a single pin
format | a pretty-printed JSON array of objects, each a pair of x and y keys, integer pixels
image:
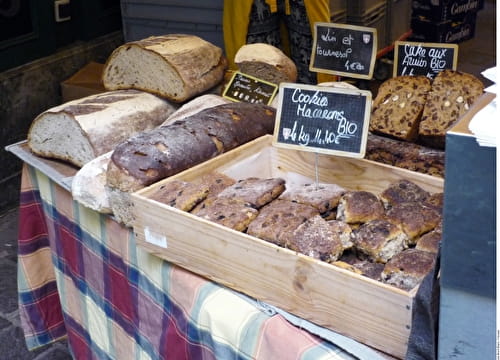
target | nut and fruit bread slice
[
  {"x": 398, "y": 106},
  {"x": 452, "y": 94}
]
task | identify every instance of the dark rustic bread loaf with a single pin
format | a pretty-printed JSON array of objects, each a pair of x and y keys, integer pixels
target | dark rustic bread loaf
[
  {"x": 154, "y": 155},
  {"x": 175, "y": 66},
  {"x": 398, "y": 106},
  {"x": 452, "y": 94},
  {"x": 405, "y": 155}
]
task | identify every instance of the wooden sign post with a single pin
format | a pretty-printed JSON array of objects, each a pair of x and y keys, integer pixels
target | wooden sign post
[
  {"x": 344, "y": 50},
  {"x": 414, "y": 58},
  {"x": 323, "y": 119},
  {"x": 244, "y": 87}
]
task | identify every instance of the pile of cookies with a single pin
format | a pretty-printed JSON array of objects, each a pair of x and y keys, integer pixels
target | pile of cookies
[{"x": 392, "y": 237}]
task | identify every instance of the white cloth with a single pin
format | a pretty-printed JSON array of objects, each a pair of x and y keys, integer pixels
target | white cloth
[{"x": 484, "y": 125}]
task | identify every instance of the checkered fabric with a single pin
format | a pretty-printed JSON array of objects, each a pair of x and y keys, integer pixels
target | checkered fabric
[{"x": 81, "y": 275}]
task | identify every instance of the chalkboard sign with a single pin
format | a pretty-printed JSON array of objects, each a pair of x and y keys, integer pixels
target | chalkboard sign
[
  {"x": 244, "y": 87},
  {"x": 323, "y": 119},
  {"x": 344, "y": 50},
  {"x": 414, "y": 58}
]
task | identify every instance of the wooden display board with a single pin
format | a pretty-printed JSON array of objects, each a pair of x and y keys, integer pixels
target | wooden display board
[{"x": 344, "y": 50}]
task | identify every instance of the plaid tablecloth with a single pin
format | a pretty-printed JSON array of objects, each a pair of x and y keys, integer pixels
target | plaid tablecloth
[{"x": 81, "y": 275}]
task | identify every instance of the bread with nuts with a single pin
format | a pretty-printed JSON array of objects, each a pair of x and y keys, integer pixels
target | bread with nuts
[
  {"x": 451, "y": 95},
  {"x": 398, "y": 106}
]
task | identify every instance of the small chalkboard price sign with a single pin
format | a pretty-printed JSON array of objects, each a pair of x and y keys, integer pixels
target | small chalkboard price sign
[
  {"x": 247, "y": 88},
  {"x": 322, "y": 119},
  {"x": 414, "y": 58},
  {"x": 344, "y": 50}
]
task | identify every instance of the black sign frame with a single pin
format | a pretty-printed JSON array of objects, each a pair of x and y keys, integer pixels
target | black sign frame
[
  {"x": 242, "y": 87},
  {"x": 309, "y": 114},
  {"x": 336, "y": 41},
  {"x": 422, "y": 58}
]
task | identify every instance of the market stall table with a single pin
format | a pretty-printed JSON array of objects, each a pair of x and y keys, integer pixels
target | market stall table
[{"x": 81, "y": 275}]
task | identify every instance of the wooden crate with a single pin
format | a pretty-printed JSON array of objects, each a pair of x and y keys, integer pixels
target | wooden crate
[{"x": 369, "y": 311}]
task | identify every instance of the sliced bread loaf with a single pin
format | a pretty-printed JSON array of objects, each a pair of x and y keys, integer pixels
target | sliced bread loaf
[
  {"x": 80, "y": 130},
  {"x": 451, "y": 95},
  {"x": 175, "y": 66}
]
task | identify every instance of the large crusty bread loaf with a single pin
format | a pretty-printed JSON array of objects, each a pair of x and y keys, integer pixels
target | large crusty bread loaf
[
  {"x": 398, "y": 106},
  {"x": 80, "y": 130},
  {"x": 266, "y": 62},
  {"x": 175, "y": 66},
  {"x": 162, "y": 152},
  {"x": 451, "y": 95}
]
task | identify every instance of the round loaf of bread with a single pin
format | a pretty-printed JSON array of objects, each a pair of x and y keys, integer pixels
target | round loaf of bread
[{"x": 266, "y": 62}]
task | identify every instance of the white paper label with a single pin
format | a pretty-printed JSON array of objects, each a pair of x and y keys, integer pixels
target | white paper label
[{"x": 154, "y": 238}]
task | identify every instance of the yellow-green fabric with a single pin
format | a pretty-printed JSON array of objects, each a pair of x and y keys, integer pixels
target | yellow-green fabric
[{"x": 236, "y": 19}]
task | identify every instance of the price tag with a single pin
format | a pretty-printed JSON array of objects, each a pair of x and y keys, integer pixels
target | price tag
[
  {"x": 244, "y": 87},
  {"x": 323, "y": 119},
  {"x": 429, "y": 59},
  {"x": 344, "y": 50}
]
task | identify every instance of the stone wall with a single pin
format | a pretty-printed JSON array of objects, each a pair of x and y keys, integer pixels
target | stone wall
[{"x": 30, "y": 89}]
